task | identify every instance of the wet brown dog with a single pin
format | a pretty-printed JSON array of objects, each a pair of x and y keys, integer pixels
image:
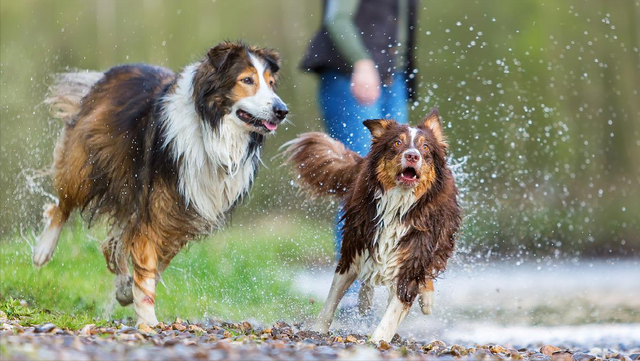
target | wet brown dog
[
  {"x": 401, "y": 213},
  {"x": 164, "y": 157}
]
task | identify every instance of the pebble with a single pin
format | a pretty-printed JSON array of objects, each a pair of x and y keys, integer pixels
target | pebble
[
  {"x": 548, "y": 350},
  {"x": 580, "y": 356}
]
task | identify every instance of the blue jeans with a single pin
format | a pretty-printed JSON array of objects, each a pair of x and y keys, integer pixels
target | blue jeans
[{"x": 343, "y": 117}]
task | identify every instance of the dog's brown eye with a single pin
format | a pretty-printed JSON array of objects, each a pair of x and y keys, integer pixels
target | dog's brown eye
[
  {"x": 425, "y": 147},
  {"x": 247, "y": 80},
  {"x": 398, "y": 143}
]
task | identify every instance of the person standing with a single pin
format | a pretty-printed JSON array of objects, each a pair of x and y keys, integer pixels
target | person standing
[{"x": 364, "y": 57}]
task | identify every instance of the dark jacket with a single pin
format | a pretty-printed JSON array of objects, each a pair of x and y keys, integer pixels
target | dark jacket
[{"x": 376, "y": 20}]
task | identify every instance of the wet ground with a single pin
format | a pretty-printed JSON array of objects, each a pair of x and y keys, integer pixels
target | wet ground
[
  {"x": 541, "y": 312},
  {"x": 585, "y": 303}
]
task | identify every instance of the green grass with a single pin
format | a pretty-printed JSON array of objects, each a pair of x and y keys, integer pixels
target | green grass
[
  {"x": 28, "y": 316},
  {"x": 243, "y": 273}
]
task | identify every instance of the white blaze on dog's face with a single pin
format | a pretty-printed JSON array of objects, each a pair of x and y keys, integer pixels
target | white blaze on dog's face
[
  {"x": 257, "y": 104},
  {"x": 405, "y": 155}
]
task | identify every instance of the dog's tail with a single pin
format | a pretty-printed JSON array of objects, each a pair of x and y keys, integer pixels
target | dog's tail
[
  {"x": 67, "y": 91},
  {"x": 323, "y": 166}
]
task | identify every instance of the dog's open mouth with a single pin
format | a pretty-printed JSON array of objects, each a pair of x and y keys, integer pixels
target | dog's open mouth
[
  {"x": 256, "y": 122},
  {"x": 408, "y": 176}
]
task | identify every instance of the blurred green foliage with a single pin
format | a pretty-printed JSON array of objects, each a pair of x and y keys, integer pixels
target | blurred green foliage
[{"x": 540, "y": 102}]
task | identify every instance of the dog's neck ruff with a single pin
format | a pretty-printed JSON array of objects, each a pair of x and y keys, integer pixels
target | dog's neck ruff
[
  {"x": 381, "y": 267},
  {"x": 215, "y": 169}
]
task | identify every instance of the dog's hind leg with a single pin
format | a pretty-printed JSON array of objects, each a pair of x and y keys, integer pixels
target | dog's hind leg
[
  {"x": 426, "y": 298},
  {"x": 56, "y": 217},
  {"x": 145, "y": 263},
  {"x": 393, "y": 316},
  {"x": 339, "y": 286}
]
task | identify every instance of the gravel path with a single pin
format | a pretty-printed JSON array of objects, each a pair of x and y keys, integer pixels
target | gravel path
[{"x": 242, "y": 341}]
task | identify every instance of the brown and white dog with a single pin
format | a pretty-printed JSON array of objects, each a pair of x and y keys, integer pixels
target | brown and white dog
[
  {"x": 401, "y": 213},
  {"x": 165, "y": 157}
]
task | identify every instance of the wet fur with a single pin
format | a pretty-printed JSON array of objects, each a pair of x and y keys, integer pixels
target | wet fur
[
  {"x": 142, "y": 146},
  {"x": 390, "y": 237}
]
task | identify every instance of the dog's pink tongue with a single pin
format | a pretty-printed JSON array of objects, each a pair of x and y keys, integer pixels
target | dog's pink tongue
[{"x": 271, "y": 126}]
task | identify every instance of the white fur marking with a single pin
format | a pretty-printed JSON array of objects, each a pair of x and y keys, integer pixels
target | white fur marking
[
  {"x": 426, "y": 302},
  {"x": 46, "y": 244},
  {"x": 382, "y": 267},
  {"x": 145, "y": 312},
  {"x": 413, "y": 132},
  {"x": 412, "y": 149},
  {"x": 214, "y": 169},
  {"x": 393, "y": 316},
  {"x": 260, "y": 104}
]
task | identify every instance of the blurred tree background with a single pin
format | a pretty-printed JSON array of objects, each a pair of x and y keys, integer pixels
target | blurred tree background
[{"x": 540, "y": 102}]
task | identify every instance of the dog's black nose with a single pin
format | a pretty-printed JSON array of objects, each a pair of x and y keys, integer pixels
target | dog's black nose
[{"x": 280, "y": 110}]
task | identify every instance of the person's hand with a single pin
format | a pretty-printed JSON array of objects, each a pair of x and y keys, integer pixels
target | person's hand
[{"x": 365, "y": 82}]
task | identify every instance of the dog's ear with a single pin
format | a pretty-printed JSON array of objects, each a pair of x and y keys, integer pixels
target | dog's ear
[
  {"x": 432, "y": 121},
  {"x": 377, "y": 127},
  {"x": 219, "y": 54},
  {"x": 272, "y": 58}
]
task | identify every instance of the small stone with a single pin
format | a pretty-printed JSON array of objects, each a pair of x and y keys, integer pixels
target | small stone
[
  {"x": 548, "y": 350},
  {"x": 179, "y": 326},
  {"x": 246, "y": 326},
  {"x": 539, "y": 357},
  {"x": 195, "y": 328},
  {"x": 143, "y": 327},
  {"x": 86, "y": 330},
  {"x": 498, "y": 349},
  {"x": 635, "y": 356},
  {"x": 581, "y": 356},
  {"x": 279, "y": 344},
  {"x": 46, "y": 328},
  {"x": 396, "y": 338},
  {"x": 460, "y": 350},
  {"x": 337, "y": 339},
  {"x": 108, "y": 330},
  {"x": 384, "y": 345},
  {"x": 179, "y": 320},
  {"x": 128, "y": 331},
  {"x": 561, "y": 356},
  {"x": 515, "y": 355},
  {"x": 351, "y": 338},
  {"x": 281, "y": 324}
]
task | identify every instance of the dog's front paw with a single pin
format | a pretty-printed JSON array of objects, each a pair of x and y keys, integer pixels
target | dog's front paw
[{"x": 426, "y": 302}]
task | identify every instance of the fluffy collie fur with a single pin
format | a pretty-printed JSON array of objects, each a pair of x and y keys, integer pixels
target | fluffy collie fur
[
  {"x": 164, "y": 157},
  {"x": 401, "y": 213}
]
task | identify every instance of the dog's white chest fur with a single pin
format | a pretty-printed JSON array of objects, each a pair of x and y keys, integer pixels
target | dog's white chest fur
[
  {"x": 215, "y": 169},
  {"x": 382, "y": 267}
]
